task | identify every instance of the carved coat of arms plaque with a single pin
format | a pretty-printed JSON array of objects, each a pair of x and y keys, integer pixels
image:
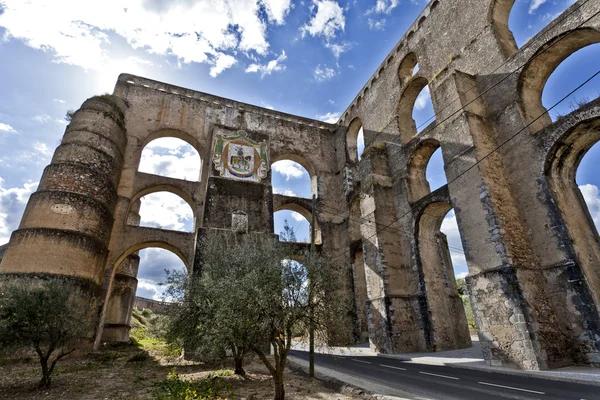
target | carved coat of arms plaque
[{"x": 239, "y": 157}]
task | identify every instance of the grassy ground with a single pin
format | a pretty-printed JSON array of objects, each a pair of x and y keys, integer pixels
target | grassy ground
[{"x": 147, "y": 369}]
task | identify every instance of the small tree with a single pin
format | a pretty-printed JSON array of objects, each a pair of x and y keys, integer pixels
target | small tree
[
  {"x": 45, "y": 318},
  {"x": 247, "y": 299}
]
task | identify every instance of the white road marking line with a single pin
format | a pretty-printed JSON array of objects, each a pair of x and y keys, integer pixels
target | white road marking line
[
  {"x": 364, "y": 362},
  {"x": 391, "y": 366},
  {"x": 510, "y": 387},
  {"x": 441, "y": 376}
]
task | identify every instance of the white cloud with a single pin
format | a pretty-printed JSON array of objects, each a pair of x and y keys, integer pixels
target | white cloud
[
  {"x": 12, "y": 205},
  {"x": 461, "y": 275},
  {"x": 328, "y": 19},
  {"x": 7, "y": 128},
  {"x": 166, "y": 210},
  {"x": 376, "y": 24},
  {"x": 383, "y": 7},
  {"x": 289, "y": 169},
  {"x": 322, "y": 74},
  {"x": 591, "y": 195},
  {"x": 285, "y": 192},
  {"x": 330, "y": 117},
  {"x": 59, "y": 101},
  {"x": 338, "y": 49},
  {"x": 41, "y": 149},
  {"x": 535, "y": 4},
  {"x": 423, "y": 99},
  {"x": 272, "y": 66},
  {"x": 171, "y": 157},
  {"x": 277, "y": 10},
  {"x": 297, "y": 217},
  {"x": 222, "y": 62},
  {"x": 79, "y": 32}
]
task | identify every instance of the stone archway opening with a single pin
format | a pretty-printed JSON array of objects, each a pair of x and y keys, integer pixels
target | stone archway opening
[
  {"x": 137, "y": 284},
  {"x": 536, "y": 73},
  {"x": 171, "y": 157},
  {"x": 415, "y": 109},
  {"x": 293, "y": 176},
  {"x": 574, "y": 186},
  {"x": 298, "y": 219},
  {"x": 516, "y": 22},
  {"x": 438, "y": 253},
  {"x": 162, "y": 210},
  {"x": 425, "y": 170},
  {"x": 355, "y": 140},
  {"x": 567, "y": 75}
]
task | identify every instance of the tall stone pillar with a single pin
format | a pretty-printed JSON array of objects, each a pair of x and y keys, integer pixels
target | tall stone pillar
[
  {"x": 66, "y": 226},
  {"x": 394, "y": 314},
  {"x": 518, "y": 321},
  {"x": 122, "y": 298}
]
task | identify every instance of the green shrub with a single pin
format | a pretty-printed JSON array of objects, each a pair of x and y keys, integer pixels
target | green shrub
[
  {"x": 176, "y": 388},
  {"x": 146, "y": 312}
]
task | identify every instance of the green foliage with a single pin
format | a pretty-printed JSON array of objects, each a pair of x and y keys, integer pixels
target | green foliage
[
  {"x": 150, "y": 334},
  {"x": 146, "y": 312},
  {"x": 247, "y": 297},
  {"x": 287, "y": 234},
  {"x": 47, "y": 318},
  {"x": 463, "y": 291},
  {"x": 176, "y": 388}
]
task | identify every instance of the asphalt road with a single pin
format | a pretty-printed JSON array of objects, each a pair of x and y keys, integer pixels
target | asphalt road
[{"x": 438, "y": 382}]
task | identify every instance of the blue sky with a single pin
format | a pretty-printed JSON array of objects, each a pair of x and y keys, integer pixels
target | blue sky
[{"x": 308, "y": 58}]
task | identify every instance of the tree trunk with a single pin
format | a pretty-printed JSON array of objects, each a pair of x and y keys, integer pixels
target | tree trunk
[
  {"x": 239, "y": 365},
  {"x": 279, "y": 389},
  {"x": 45, "y": 382}
]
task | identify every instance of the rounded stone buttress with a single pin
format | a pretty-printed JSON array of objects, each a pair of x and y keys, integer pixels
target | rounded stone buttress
[{"x": 66, "y": 226}]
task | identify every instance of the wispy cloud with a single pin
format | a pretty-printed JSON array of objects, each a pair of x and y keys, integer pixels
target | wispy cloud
[
  {"x": 289, "y": 169},
  {"x": 324, "y": 73},
  {"x": 270, "y": 67},
  {"x": 327, "y": 20},
  {"x": 330, "y": 117},
  {"x": 7, "y": 128}
]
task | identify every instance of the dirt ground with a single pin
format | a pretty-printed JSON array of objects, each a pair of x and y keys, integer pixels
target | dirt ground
[{"x": 109, "y": 375}]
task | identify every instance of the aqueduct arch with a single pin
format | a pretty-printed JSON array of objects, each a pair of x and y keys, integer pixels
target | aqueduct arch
[
  {"x": 530, "y": 253},
  {"x": 536, "y": 73}
]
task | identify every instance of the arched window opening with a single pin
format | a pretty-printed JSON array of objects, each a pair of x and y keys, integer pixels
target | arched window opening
[
  {"x": 171, "y": 157},
  {"x": 588, "y": 181},
  {"x": 415, "y": 109},
  {"x": 290, "y": 178},
  {"x": 423, "y": 110},
  {"x": 408, "y": 68},
  {"x": 164, "y": 210},
  {"x": 415, "y": 70},
  {"x": 450, "y": 230},
  {"x": 527, "y": 18},
  {"x": 294, "y": 221},
  {"x": 438, "y": 254},
  {"x": 360, "y": 143},
  {"x": 137, "y": 284},
  {"x": 435, "y": 174},
  {"x": 568, "y": 75},
  {"x": 425, "y": 170},
  {"x": 155, "y": 264},
  {"x": 572, "y": 173},
  {"x": 535, "y": 76},
  {"x": 355, "y": 129}
]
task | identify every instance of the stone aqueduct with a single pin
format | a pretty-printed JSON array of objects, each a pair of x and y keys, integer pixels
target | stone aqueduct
[{"x": 532, "y": 249}]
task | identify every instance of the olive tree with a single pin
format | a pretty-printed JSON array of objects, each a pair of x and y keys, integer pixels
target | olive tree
[
  {"x": 248, "y": 298},
  {"x": 46, "y": 318}
]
